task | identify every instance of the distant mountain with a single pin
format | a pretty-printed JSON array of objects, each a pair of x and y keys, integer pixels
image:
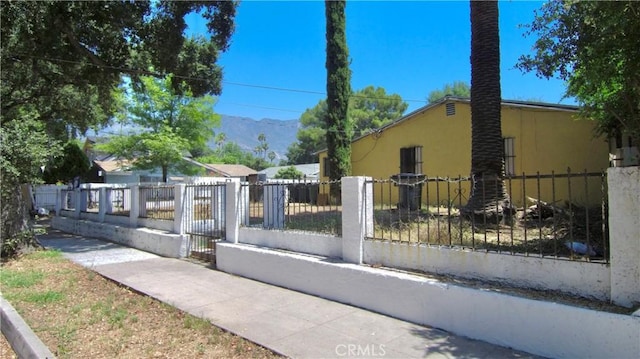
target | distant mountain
[
  {"x": 242, "y": 130},
  {"x": 245, "y": 131}
]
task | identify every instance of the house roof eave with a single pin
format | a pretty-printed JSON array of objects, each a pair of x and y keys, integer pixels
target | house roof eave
[{"x": 505, "y": 103}]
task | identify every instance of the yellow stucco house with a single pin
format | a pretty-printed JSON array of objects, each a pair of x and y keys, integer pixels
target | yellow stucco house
[{"x": 435, "y": 140}]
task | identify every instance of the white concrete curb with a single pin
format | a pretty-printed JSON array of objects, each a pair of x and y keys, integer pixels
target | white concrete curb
[{"x": 22, "y": 339}]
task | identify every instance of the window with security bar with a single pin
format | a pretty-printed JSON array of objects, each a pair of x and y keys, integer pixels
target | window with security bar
[
  {"x": 326, "y": 171},
  {"x": 411, "y": 160},
  {"x": 509, "y": 156}
]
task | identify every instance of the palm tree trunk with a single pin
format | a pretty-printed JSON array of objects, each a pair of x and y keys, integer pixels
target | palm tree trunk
[{"x": 488, "y": 194}]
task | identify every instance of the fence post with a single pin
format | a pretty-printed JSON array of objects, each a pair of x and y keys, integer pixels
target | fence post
[
  {"x": 182, "y": 208},
  {"x": 80, "y": 204},
  {"x": 357, "y": 217},
  {"x": 103, "y": 202},
  {"x": 624, "y": 234},
  {"x": 135, "y": 205},
  {"x": 109, "y": 199},
  {"x": 59, "y": 199},
  {"x": 233, "y": 210}
]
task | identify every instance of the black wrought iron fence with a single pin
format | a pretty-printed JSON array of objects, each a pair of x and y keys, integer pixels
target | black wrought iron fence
[
  {"x": 552, "y": 215},
  {"x": 157, "y": 202},
  {"x": 295, "y": 205},
  {"x": 204, "y": 217}
]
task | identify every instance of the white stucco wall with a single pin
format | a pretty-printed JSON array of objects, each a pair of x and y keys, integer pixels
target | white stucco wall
[
  {"x": 542, "y": 328},
  {"x": 303, "y": 242},
  {"x": 117, "y": 220},
  {"x": 89, "y": 216},
  {"x": 164, "y": 244},
  {"x": 624, "y": 234},
  {"x": 161, "y": 224},
  {"x": 580, "y": 278}
]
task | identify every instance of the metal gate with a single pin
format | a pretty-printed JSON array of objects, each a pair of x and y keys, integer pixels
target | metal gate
[{"x": 204, "y": 213}]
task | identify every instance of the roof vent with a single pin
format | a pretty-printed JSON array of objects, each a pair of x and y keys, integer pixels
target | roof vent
[{"x": 451, "y": 108}]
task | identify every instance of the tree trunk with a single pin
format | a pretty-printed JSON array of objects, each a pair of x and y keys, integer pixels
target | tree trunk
[
  {"x": 165, "y": 173},
  {"x": 338, "y": 92},
  {"x": 14, "y": 229},
  {"x": 488, "y": 194}
]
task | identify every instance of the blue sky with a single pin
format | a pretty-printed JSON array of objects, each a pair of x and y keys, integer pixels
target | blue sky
[{"x": 406, "y": 47}]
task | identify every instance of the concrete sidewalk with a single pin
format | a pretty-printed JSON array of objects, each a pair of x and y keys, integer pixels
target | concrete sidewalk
[{"x": 288, "y": 322}]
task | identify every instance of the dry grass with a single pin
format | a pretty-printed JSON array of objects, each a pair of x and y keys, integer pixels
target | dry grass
[
  {"x": 304, "y": 217},
  {"x": 525, "y": 233},
  {"x": 79, "y": 314}
]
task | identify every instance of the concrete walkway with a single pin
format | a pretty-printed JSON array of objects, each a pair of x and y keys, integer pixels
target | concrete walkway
[{"x": 288, "y": 322}]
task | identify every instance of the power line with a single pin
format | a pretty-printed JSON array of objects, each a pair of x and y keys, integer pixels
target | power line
[
  {"x": 157, "y": 74},
  {"x": 273, "y": 88},
  {"x": 258, "y": 106},
  {"x": 308, "y": 91}
]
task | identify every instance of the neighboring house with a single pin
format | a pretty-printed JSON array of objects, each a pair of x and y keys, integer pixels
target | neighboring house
[
  {"x": 436, "y": 140},
  {"x": 109, "y": 169},
  {"x": 310, "y": 171},
  {"x": 623, "y": 152},
  {"x": 242, "y": 172},
  {"x": 112, "y": 170}
]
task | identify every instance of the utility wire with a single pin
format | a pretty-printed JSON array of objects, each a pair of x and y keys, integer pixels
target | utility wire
[
  {"x": 157, "y": 74},
  {"x": 258, "y": 106},
  {"x": 273, "y": 88}
]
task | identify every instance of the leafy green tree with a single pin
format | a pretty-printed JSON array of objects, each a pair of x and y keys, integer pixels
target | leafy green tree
[
  {"x": 256, "y": 163},
  {"x": 232, "y": 153},
  {"x": 488, "y": 194},
  {"x": 338, "y": 127},
  {"x": 25, "y": 147},
  {"x": 594, "y": 47},
  {"x": 72, "y": 163},
  {"x": 61, "y": 60},
  {"x": 64, "y": 58},
  {"x": 372, "y": 108},
  {"x": 170, "y": 124},
  {"x": 311, "y": 136},
  {"x": 229, "y": 153},
  {"x": 369, "y": 109},
  {"x": 457, "y": 88},
  {"x": 288, "y": 173}
]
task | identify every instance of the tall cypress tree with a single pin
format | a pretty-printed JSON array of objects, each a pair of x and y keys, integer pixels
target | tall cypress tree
[{"x": 338, "y": 128}]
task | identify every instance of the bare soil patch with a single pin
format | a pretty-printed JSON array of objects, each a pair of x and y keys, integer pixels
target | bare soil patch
[
  {"x": 6, "y": 351},
  {"x": 79, "y": 314}
]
